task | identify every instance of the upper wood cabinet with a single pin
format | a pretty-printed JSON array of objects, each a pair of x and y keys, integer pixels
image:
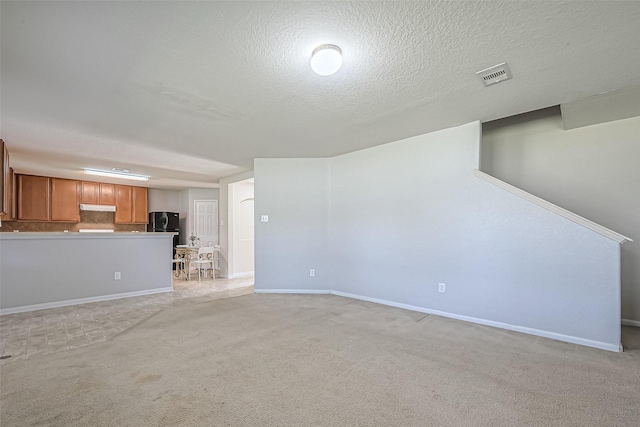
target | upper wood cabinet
[
  {"x": 65, "y": 200},
  {"x": 131, "y": 205},
  {"x": 90, "y": 192},
  {"x": 107, "y": 194},
  {"x": 13, "y": 207},
  {"x": 98, "y": 193},
  {"x": 124, "y": 204},
  {"x": 140, "y": 203},
  {"x": 34, "y": 198},
  {"x": 41, "y": 198},
  {"x": 5, "y": 180}
]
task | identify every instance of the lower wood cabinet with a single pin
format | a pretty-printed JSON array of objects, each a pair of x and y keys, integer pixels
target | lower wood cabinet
[
  {"x": 65, "y": 200},
  {"x": 34, "y": 198}
]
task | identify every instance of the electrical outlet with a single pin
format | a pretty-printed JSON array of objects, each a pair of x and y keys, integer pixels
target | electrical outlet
[
  {"x": 264, "y": 218},
  {"x": 442, "y": 287},
  {"x": 117, "y": 276},
  {"x": 312, "y": 273}
]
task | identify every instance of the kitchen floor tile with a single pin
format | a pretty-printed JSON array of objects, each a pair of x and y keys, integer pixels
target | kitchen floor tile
[{"x": 28, "y": 334}]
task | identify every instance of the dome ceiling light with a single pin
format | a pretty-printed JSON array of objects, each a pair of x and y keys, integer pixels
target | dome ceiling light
[{"x": 326, "y": 59}]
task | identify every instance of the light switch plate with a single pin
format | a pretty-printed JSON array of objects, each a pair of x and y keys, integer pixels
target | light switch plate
[{"x": 264, "y": 218}]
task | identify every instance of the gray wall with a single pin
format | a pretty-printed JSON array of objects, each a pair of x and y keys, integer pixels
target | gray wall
[
  {"x": 593, "y": 171},
  {"x": 393, "y": 221},
  {"x": 294, "y": 193},
  {"x": 41, "y": 268},
  {"x": 164, "y": 200}
]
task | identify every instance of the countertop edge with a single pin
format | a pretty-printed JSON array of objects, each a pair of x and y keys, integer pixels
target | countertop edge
[{"x": 75, "y": 235}]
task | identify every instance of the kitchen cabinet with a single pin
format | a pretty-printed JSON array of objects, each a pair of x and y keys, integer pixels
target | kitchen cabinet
[
  {"x": 140, "y": 203},
  {"x": 13, "y": 207},
  {"x": 65, "y": 200},
  {"x": 90, "y": 192},
  {"x": 5, "y": 180},
  {"x": 124, "y": 204},
  {"x": 107, "y": 194},
  {"x": 34, "y": 198},
  {"x": 131, "y": 205},
  {"x": 98, "y": 193}
]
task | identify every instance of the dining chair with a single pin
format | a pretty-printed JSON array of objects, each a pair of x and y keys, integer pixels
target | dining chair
[
  {"x": 205, "y": 260},
  {"x": 216, "y": 261},
  {"x": 179, "y": 263}
]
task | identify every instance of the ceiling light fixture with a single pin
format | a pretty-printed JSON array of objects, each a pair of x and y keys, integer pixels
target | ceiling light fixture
[
  {"x": 326, "y": 59},
  {"x": 113, "y": 174}
]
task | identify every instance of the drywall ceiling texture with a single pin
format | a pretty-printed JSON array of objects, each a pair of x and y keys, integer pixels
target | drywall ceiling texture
[
  {"x": 406, "y": 216},
  {"x": 189, "y": 92},
  {"x": 593, "y": 171}
]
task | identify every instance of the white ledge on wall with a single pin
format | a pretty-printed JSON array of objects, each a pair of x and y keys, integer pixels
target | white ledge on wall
[{"x": 553, "y": 208}]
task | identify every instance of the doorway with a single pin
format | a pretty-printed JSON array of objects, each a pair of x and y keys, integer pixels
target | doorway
[{"x": 241, "y": 228}]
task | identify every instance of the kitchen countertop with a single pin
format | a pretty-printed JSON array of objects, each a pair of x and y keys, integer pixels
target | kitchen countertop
[{"x": 23, "y": 235}]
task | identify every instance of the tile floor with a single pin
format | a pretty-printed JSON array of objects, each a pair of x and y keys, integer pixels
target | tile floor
[{"x": 58, "y": 329}]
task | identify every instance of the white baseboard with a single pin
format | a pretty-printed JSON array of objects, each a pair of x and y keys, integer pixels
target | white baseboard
[
  {"x": 57, "y": 304},
  {"x": 531, "y": 331},
  {"x": 628, "y": 322},
  {"x": 290, "y": 291},
  {"x": 236, "y": 275}
]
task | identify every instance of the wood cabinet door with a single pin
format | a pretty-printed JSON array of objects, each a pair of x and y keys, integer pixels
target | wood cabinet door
[
  {"x": 5, "y": 199},
  {"x": 140, "y": 202},
  {"x": 65, "y": 200},
  {"x": 107, "y": 194},
  {"x": 34, "y": 198},
  {"x": 124, "y": 204},
  {"x": 90, "y": 192},
  {"x": 13, "y": 207}
]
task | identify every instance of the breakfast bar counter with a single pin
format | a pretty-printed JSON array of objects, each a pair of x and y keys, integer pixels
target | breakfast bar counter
[{"x": 51, "y": 269}]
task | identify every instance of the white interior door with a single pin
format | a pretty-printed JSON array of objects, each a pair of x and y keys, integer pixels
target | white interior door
[{"x": 206, "y": 221}]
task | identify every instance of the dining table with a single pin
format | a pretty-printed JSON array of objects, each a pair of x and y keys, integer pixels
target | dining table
[{"x": 185, "y": 253}]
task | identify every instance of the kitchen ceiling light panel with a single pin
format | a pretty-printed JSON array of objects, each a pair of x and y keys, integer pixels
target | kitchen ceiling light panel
[{"x": 112, "y": 174}]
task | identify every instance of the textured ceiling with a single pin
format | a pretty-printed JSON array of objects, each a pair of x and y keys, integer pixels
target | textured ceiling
[{"x": 189, "y": 92}]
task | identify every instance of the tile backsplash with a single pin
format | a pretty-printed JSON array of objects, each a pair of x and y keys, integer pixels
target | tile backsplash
[{"x": 88, "y": 219}]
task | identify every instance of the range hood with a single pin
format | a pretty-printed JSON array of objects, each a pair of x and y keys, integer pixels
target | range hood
[{"x": 98, "y": 208}]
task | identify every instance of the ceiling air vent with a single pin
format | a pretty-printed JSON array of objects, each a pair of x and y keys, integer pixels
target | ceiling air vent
[{"x": 495, "y": 74}]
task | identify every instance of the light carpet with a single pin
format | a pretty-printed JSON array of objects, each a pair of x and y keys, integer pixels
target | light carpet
[{"x": 323, "y": 360}]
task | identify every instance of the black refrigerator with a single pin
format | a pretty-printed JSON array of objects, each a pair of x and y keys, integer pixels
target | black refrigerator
[{"x": 166, "y": 222}]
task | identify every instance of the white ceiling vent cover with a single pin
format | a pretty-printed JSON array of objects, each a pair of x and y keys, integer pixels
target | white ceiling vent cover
[{"x": 496, "y": 74}]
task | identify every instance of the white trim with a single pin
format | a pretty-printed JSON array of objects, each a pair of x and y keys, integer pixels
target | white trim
[
  {"x": 629, "y": 322},
  {"x": 236, "y": 275},
  {"x": 523, "y": 329},
  {"x": 553, "y": 208},
  {"x": 57, "y": 304},
  {"x": 291, "y": 291}
]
